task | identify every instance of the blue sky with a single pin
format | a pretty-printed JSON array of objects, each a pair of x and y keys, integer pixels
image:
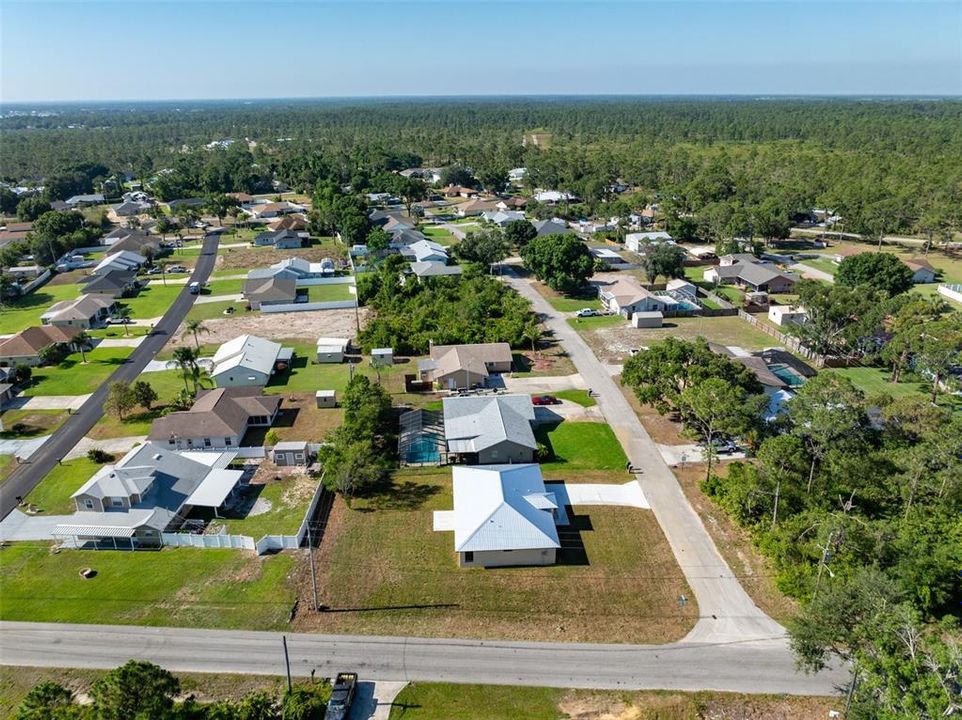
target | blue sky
[{"x": 128, "y": 49}]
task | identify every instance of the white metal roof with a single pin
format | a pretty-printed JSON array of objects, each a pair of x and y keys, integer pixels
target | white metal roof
[
  {"x": 214, "y": 489},
  {"x": 247, "y": 351},
  {"x": 472, "y": 424},
  {"x": 501, "y": 507}
]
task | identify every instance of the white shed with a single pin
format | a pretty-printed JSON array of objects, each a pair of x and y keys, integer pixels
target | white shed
[
  {"x": 382, "y": 357},
  {"x": 650, "y": 319},
  {"x": 786, "y": 314},
  {"x": 326, "y": 398},
  {"x": 331, "y": 350}
]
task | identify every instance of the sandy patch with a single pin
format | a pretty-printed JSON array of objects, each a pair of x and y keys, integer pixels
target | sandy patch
[{"x": 306, "y": 326}]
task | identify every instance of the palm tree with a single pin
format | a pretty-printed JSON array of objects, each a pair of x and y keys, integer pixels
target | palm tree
[
  {"x": 123, "y": 313},
  {"x": 82, "y": 342},
  {"x": 186, "y": 358},
  {"x": 162, "y": 264},
  {"x": 193, "y": 327},
  {"x": 533, "y": 332}
]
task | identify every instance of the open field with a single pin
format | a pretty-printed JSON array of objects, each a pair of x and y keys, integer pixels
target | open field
[
  {"x": 53, "y": 493},
  {"x": 73, "y": 376},
  {"x": 152, "y": 301},
  {"x": 16, "y": 682},
  {"x": 383, "y": 570},
  {"x": 612, "y": 341},
  {"x": 174, "y": 586},
  {"x": 442, "y": 701},
  {"x": 19, "y": 314},
  {"x": 215, "y": 311},
  {"x": 247, "y": 258}
]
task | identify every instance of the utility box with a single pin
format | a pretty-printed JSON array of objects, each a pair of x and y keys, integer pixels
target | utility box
[
  {"x": 382, "y": 357},
  {"x": 326, "y": 398}
]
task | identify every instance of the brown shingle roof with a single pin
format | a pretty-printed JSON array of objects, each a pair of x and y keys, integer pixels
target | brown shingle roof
[
  {"x": 217, "y": 413},
  {"x": 31, "y": 341}
]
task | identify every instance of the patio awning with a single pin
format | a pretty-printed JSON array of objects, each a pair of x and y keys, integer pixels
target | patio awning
[
  {"x": 93, "y": 531},
  {"x": 214, "y": 489}
]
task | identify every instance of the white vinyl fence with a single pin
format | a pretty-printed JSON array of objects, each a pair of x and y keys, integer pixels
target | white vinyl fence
[
  {"x": 953, "y": 292},
  {"x": 235, "y": 542},
  {"x": 303, "y": 307}
]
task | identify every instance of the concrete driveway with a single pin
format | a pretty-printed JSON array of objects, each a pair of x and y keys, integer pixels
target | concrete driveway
[
  {"x": 374, "y": 700},
  {"x": 121, "y": 342},
  {"x": 535, "y": 385},
  {"x": 22, "y": 448},
  {"x": 680, "y": 454},
  {"x": 18, "y": 526},
  {"x": 116, "y": 446},
  {"x": 628, "y": 494},
  {"x": 47, "y": 402}
]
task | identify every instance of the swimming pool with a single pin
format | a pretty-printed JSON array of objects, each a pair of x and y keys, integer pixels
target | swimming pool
[{"x": 783, "y": 372}]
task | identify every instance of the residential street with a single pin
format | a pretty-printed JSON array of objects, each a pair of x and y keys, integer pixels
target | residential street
[
  {"x": 757, "y": 667},
  {"x": 727, "y": 613},
  {"x": 25, "y": 478}
]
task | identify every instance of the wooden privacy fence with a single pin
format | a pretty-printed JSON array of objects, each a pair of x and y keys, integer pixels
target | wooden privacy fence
[{"x": 792, "y": 343}]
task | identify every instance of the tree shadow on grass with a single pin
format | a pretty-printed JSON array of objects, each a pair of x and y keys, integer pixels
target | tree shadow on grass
[{"x": 393, "y": 495}]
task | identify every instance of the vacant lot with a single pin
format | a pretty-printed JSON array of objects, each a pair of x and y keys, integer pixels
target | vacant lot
[
  {"x": 612, "y": 341},
  {"x": 550, "y": 359},
  {"x": 174, "y": 586},
  {"x": 568, "y": 303},
  {"x": 441, "y": 701},
  {"x": 253, "y": 257},
  {"x": 383, "y": 570},
  {"x": 303, "y": 326},
  {"x": 19, "y": 314},
  {"x": 75, "y": 377},
  {"x": 32, "y": 422},
  {"x": 577, "y": 446}
]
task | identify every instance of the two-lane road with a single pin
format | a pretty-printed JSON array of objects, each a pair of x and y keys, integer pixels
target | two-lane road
[
  {"x": 754, "y": 667},
  {"x": 26, "y": 477}
]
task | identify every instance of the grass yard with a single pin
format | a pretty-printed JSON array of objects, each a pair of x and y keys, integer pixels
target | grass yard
[
  {"x": 443, "y": 701},
  {"x": 7, "y": 464},
  {"x": 596, "y": 323},
  {"x": 215, "y": 310},
  {"x": 383, "y": 570},
  {"x": 875, "y": 381},
  {"x": 224, "y": 287},
  {"x": 328, "y": 293},
  {"x": 580, "y": 397},
  {"x": 152, "y": 301},
  {"x": 53, "y": 493},
  {"x": 134, "y": 423},
  {"x": 439, "y": 235},
  {"x": 582, "y": 446},
  {"x": 24, "y": 312},
  {"x": 34, "y": 422},
  {"x": 568, "y": 303},
  {"x": 168, "y": 384},
  {"x": 185, "y": 587},
  {"x": 74, "y": 377},
  {"x": 289, "y": 498},
  {"x": 550, "y": 360},
  {"x": 299, "y": 419},
  {"x": 821, "y": 263}
]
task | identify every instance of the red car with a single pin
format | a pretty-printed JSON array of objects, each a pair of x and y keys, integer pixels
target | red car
[{"x": 545, "y": 400}]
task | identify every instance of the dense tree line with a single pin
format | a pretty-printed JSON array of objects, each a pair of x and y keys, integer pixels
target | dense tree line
[
  {"x": 410, "y": 316},
  {"x": 721, "y": 168}
]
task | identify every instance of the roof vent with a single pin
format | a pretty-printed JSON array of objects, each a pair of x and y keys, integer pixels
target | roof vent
[{"x": 157, "y": 456}]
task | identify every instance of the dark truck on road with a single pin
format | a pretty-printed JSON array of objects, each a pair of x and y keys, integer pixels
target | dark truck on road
[{"x": 342, "y": 695}]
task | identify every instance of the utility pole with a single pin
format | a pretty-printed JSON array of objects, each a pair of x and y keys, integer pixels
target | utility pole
[{"x": 287, "y": 664}]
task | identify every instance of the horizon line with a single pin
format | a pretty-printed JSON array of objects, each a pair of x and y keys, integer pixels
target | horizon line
[{"x": 495, "y": 96}]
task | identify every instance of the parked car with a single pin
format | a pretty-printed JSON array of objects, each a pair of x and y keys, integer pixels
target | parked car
[
  {"x": 587, "y": 312},
  {"x": 177, "y": 269},
  {"x": 155, "y": 270},
  {"x": 724, "y": 447},
  {"x": 118, "y": 321},
  {"x": 545, "y": 400},
  {"x": 342, "y": 695}
]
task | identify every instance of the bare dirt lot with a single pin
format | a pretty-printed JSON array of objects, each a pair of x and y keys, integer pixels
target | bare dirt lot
[
  {"x": 308, "y": 326},
  {"x": 252, "y": 257}
]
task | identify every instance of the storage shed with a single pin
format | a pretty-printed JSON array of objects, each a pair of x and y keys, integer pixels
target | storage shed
[
  {"x": 331, "y": 350},
  {"x": 650, "y": 319},
  {"x": 382, "y": 357},
  {"x": 291, "y": 453},
  {"x": 326, "y": 398}
]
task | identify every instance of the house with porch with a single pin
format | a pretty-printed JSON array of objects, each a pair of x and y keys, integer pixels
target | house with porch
[
  {"x": 626, "y": 297},
  {"x": 218, "y": 419},
  {"x": 27, "y": 346}
]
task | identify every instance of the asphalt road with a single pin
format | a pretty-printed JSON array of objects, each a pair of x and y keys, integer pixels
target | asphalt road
[
  {"x": 726, "y": 612},
  {"x": 757, "y": 667},
  {"x": 26, "y": 477}
]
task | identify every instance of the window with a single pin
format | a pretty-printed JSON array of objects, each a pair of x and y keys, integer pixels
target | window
[
  {"x": 116, "y": 502},
  {"x": 469, "y": 556},
  {"x": 206, "y": 442},
  {"x": 298, "y": 456},
  {"x": 89, "y": 504},
  {"x": 227, "y": 441}
]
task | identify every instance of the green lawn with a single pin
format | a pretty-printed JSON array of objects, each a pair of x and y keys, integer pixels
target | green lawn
[
  {"x": 327, "y": 293},
  {"x": 875, "y": 381},
  {"x": 53, "y": 493},
  {"x": 168, "y": 384},
  {"x": 74, "y": 377},
  {"x": 215, "y": 310},
  {"x": 35, "y": 422},
  {"x": 174, "y": 586},
  {"x": 821, "y": 263},
  {"x": 224, "y": 287},
  {"x": 440, "y": 701},
  {"x": 152, "y": 301},
  {"x": 576, "y": 396},
  {"x": 582, "y": 446},
  {"x": 289, "y": 499},
  {"x": 596, "y": 323},
  {"x": 24, "y": 312},
  {"x": 137, "y": 422}
]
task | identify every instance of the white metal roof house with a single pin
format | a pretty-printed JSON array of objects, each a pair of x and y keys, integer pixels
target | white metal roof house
[
  {"x": 490, "y": 429},
  {"x": 122, "y": 260},
  {"x": 247, "y": 360},
  {"x": 636, "y": 242},
  {"x": 149, "y": 491},
  {"x": 428, "y": 251},
  {"x": 502, "y": 516}
]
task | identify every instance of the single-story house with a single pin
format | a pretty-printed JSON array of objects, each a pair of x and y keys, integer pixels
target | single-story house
[
  {"x": 486, "y": 429},
  {"x": 737, "y": 258},
  {"x": 82, "y": 201},
  {"x": 636, "y": 242},
  {"x": 148, "y": 492},
  {"x": 460, "y": 190},
  {"x": 551, "y": 227},
  {"x": 291, "y": 452},
  {"x": 242, "y": 198},
  {"x": 403, "y": 236},
  {"x": 553, "y": 196},
  {"x": 475, "y": 207},
  {"x": 434, "y": 269},
  {"x": 138, "y": 243},
  {"x": 25, "y": 347},
  {"x": 260, "y": 211},
  {"x": 116, "y": 284},
  {"x": 464, "y": 366},
  {"x": 502, "y": 516},
  {"x": 752, "y": 276},
  {"x": 786, "y": 314},
  {"x": 276, "y": 290},
  {"x": 332, "y": 350},
  {"x": 922, "y": 270},
  {"x": 282, "y": 239},
  {"x": 83, "y": 312},
  {"x": 703, "y": 253},
  {"x": 14, "y": 231},
  {"x": 626, "y": 297},
  {"x": 427, "y": 251},
  {"x": 128, "y": 208},
  {"x": 219, "y": 418},
  {"x": 512, "y": 203},
  {"x": 502, "y": 217},
  {"x": 195, "y": 202},
  {"x": 296, "y": 223},
  {"x": 125, "y": 260},
  {"x": 247, "y": 360}
]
